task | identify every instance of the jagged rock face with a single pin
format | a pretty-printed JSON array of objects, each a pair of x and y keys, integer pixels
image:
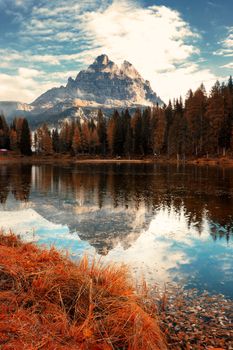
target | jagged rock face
[{"x": 103, "y": 83}]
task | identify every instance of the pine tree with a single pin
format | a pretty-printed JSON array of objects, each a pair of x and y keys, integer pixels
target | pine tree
[
  {"x": 66, "y": 136},
  {"x": 4, "y": 133},
  {"x": 195, "y": 108},
  {"x": 230, "y": 85},
  {"x": 178, "y": 132},
  {"x": 215, "y": 117},
  {"x": 94, "y": 141},
  {"x": 13, "y": 140},
  {"x": 146, "y": 131},
  {"x": 102, "y": 132},
  {"x": 168, "y": 121},
  {"x": 85, "y": 137},
  {"x": 17, "y": 126},
  {"x": 44, "y": 140},
  {"x": 115, "y": 134},
  {"x": 110, "y": 135},
  {"x": 225, "y": 133},
  {"x": 77, "y": 141},
  {"x": 55, "y": 140},
  {"x": 136, "y": 124},
  {"x": 159, "y": 130},
  {"x": 118, "y": 134},
  {"x": 25, "y": 140},
  {"x": 47, "y": 140},
  {"x": 128, "y": 133}
]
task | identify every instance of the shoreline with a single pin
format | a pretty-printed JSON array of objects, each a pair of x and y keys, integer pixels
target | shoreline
[
  {"x": 38, "y": 285},
  {"x": 66, "y": 159},
  {"x": 50, "y": 302},
  {"x": 193, "y": 320}
]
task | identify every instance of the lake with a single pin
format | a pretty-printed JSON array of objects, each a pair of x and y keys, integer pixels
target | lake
[{"x": 168, "y": 223}]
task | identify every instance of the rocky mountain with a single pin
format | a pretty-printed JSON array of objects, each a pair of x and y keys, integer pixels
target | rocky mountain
[{"x": 103, "y": 85}]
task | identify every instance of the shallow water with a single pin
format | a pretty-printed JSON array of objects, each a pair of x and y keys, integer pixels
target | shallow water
[{"x": 168, "y": 223}]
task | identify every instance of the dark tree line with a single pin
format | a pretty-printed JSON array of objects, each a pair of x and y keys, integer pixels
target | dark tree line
[
  {"x": 200, "y": 125},
  {"x": 16, "y": 137}
]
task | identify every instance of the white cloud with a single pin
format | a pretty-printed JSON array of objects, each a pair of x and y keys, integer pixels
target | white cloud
[
  {"x": 228, "y": 65},
  {"x": 156, "y": 39},
  {"x": 224, "y": 52},
  {"x": 49, "y": 21},
  {"x": 4, "y": 65},
  {"x": 28, "y": 73},
  {"x": 48, "y": 59},
  {"x": 229, "y": 42},
  {"x": 177, "y": 82},
  {"x": 23, "y": 86},
  {"x": 14, "y": 57},
  {"x": 64, "y": 36},
  {"x": 10, "y": 55},
  {"x": 226, "y": 45},
  {"x": 60, "y": 76},
  {"x": 152, "y": 37},
  {"x": 17, "y": 4},
  {"x": 20, "y": 2}
]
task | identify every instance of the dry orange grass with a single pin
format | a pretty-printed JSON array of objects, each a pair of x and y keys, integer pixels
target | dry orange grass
[{"x": 48, "y": 302}]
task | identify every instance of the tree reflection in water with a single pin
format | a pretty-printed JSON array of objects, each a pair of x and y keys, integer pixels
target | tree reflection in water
[{"x": 171, "y": 223}]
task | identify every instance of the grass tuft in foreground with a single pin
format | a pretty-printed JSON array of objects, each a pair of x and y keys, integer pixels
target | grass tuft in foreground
[{"x": 49, "y": 302}]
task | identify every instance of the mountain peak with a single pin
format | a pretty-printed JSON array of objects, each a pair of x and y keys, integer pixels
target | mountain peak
[
  {"x": 102, "y": 60},
  {"x": 103, "y": 84},
  {"x": 129, "y": 70},
  {"x": 127, "y": 64}
]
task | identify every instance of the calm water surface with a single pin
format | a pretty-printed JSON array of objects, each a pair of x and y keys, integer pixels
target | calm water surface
[{"x": 168, "y": 223}]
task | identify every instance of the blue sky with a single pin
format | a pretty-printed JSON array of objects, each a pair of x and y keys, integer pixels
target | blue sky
[{"x": 176, "y": 44}]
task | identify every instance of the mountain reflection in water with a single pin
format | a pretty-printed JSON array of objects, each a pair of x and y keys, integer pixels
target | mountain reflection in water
[{"x": 169, "y": 223}]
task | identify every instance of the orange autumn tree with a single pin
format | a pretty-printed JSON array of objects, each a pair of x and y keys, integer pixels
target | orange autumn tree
[{"x": 77, "y": 141}]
